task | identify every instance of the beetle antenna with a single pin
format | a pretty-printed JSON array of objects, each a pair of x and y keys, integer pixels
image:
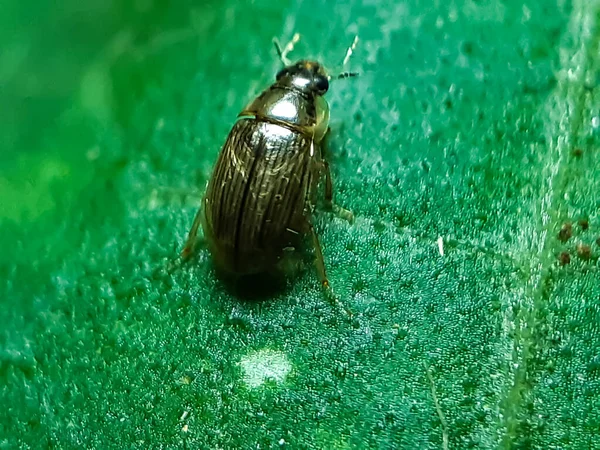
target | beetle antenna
[
  {"x": 278, "y": 50},
  {"x": 350, "y": 50},
  {"x": 288, "y": 48},
  {"x": 349, "y": 53},
  {"x": 346, "y": 75}
]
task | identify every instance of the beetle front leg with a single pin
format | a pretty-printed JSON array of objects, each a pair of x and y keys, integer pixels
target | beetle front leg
[
  {"x": 329, "y": 204},
  {"x": 190, "y": 244}
]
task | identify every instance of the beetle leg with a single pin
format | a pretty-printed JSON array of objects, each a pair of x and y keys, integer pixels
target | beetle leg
[
  {"x": 190, "y": 244},
  {"x": 320, "y": 262},
  {"x": 328, "y": 186},
  {"x": 329, "y": 204}
]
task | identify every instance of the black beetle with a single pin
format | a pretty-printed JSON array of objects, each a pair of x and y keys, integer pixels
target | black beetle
[{"x": 262, "y": 191}]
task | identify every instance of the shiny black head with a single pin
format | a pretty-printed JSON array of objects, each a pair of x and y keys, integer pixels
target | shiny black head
[{"x": 307, "y": 76}]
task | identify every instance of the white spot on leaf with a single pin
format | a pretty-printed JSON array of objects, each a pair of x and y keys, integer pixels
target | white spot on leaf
[{"x": 265, "y": 365}]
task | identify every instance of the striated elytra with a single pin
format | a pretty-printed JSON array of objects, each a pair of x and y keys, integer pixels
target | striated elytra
[{"x": 263, "y": 188}]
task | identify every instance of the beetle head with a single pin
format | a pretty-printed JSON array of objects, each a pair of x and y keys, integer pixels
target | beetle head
[{"x": 307, "y": 76}]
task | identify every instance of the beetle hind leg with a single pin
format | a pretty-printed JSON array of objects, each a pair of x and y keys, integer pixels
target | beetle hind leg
[
  {"x": 320, "y": 262},
  {"x": 192, "y": 239},
  {"x": 321, "y": 271},
  {"x": 342, "y": 213}
]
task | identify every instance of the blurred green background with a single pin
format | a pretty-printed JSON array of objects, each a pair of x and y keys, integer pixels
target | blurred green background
[{"x": 474, "y": 123}]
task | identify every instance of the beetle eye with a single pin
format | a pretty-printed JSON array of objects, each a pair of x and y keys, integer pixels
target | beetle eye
[
  {"x": 322, "y": 84},
  {"x": 282, "y": 73}
]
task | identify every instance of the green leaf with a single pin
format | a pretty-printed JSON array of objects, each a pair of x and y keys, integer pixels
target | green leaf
[{"x": 467, "y": 144}]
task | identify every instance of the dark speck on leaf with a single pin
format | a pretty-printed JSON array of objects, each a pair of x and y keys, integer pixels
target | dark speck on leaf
[
  {"x": 565, "y": 232},
  {"x": 584, "y": 224},
  {"x": 584, "y": 251},
  {"x": 468, "y": 47},
  {"x": 564, "y": 258}
]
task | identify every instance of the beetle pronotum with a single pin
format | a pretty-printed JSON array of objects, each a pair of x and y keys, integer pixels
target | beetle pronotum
[{"x": 262, "y": 190}]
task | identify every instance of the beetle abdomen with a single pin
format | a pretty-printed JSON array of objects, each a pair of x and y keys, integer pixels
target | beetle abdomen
[{"x": 256, "y": 200}]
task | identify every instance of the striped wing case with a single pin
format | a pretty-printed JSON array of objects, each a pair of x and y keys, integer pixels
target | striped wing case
[{"x": 258, "y": 198}]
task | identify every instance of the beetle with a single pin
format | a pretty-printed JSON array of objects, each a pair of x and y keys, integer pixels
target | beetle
[{"x": 261, "y": 194}]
